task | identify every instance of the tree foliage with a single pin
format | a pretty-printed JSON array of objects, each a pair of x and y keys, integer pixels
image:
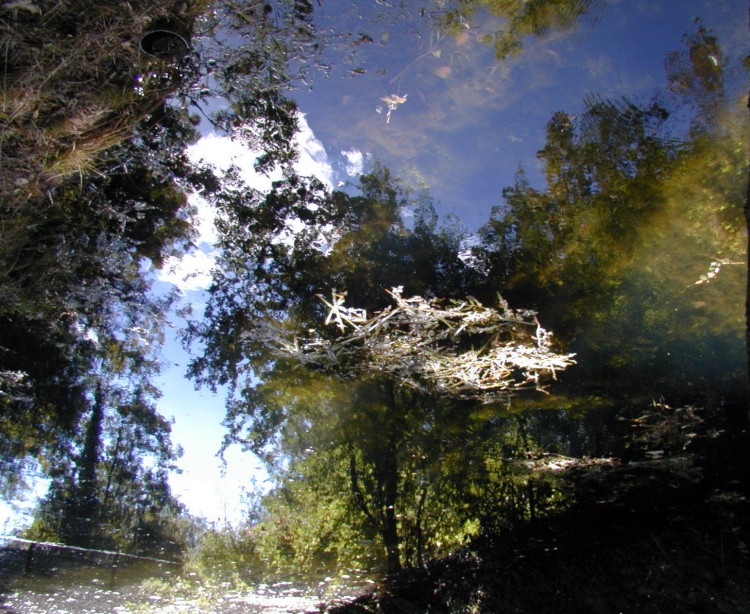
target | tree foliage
[
  {"x": 267, "y": 273},
  {"x": 95, "y": 180},
  {"x": 379, "y": 385},
  {"x": 629, "y": 253},
  {"x": 77, "y": 303},
  {"x": 519, "y": 19},
  {"x": 631, "y": 250}
]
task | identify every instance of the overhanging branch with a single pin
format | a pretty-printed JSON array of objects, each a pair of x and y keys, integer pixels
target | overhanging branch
[{"x": 429, "y": 344}]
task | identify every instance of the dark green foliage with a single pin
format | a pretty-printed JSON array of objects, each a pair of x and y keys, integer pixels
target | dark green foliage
[
  {"x": 265, "y": 272},
  {"x": 95, "y": 182},
  {"x": 249, "y": 55},
  {"x": 77, "y": 304},
  {"x": 621, "y": 251},
  {"x": 646, "y": 548},
  {"x": 76, "y": 307},
  {"x": 630, "y": 253},
  {"x": 355, "y": 243},
  {"x": 696, "y": 76},
  {"x": 383, "y": 444}
]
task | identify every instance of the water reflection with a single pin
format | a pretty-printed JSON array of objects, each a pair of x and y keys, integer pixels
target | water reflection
[
  {"x": 610, "y": 250},
  {"x": 598, "y": 187},
  {"x": 464, "y": 136},
  {"x": 41, "y": 578}
]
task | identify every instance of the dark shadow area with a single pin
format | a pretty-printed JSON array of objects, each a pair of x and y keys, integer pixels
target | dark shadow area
[{"x": 647, "y": 536}]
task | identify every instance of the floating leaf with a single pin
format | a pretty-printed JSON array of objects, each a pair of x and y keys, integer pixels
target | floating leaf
[
  {"x": 394, "y": 100},
  {"x": 443, "y": 71}
]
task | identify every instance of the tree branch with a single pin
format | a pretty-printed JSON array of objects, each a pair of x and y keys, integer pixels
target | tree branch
[{"x": 420, "y": 342}]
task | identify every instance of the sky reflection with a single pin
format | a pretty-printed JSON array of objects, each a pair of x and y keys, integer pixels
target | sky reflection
[
  {"x": 467, "y": 122},
  {"x": 470, "y": 120}
]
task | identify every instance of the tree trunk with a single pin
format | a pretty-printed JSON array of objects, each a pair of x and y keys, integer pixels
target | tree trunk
[
  {"x": 80, "y": 524},
  {"x": 389, "y": 534},
  {"x": 383, "y": 521},
  {"x": 386, "y": 472},
  {"x": 418, "y": 529}
]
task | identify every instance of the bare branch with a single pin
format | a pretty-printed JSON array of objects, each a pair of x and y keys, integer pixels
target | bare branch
[{"x": 431, "y": 345}]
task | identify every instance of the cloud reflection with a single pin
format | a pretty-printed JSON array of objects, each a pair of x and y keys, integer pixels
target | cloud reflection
[{"x": 192, "y": 272}]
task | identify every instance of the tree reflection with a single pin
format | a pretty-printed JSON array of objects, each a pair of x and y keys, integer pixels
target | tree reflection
[
  {"x": 112, "y": 491},
  {"x": 381, "y": 439},
  {"x": 94, "y": 182},
  {"x": 631, "y": 251},
  {"x": 519, "y": 19}
]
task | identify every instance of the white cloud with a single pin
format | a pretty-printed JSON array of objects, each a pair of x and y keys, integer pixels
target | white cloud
[
  {"x": 355, "y": 162},
  {"x": 313, "y": 159},
  {"x": 204, "y": 221},
  {"x": 193, "y": 271},
  {"x": 220, "y": 497}
]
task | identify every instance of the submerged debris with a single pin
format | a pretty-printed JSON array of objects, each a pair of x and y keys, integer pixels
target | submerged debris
[
  {"x": 392, "y": 101},
  {"x": 429, "y": 344}
]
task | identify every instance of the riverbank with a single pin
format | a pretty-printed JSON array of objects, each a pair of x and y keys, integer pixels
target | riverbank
[
  {"x": 652, "y": 534},
  {"x": 646, "y": 537}
]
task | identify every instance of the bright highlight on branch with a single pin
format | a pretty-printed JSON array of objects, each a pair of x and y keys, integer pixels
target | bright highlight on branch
[{"x": 459, "y": 348}]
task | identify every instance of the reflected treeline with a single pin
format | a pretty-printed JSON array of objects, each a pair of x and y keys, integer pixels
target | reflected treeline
[
  {"x": 368, "y": 431},
  {"x": 519, "y": 19},
  {"x": 94, "y": 183},
  {"x": 383, "y": 483},
  {"x": 631, "y": 253},
  {"x": 634, "y": 250}
]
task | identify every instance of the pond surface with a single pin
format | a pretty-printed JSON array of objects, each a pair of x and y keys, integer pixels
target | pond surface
[
  {"x": 585, "y": 159},
  {"x": 89, "y": 594},
  {"x": 468, "y": 120},
  {"x": 39, "y": 578},
  {"x": 154, "y": 588}
]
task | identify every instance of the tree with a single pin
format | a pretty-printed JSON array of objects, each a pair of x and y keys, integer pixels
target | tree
[
  {"x": 520, "y": 19},
  {"x": 112, "y": 489},
  {"x": 93, "y": 185},
  {"x": 377, "y": 398},
  {"x": 95, "y": 182},
  {"x": 115, "y": 126},
  {"x": 621, "y": 252},
  {"x": 77, "y": 301},
  {"x": 417, "y": 344}
]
